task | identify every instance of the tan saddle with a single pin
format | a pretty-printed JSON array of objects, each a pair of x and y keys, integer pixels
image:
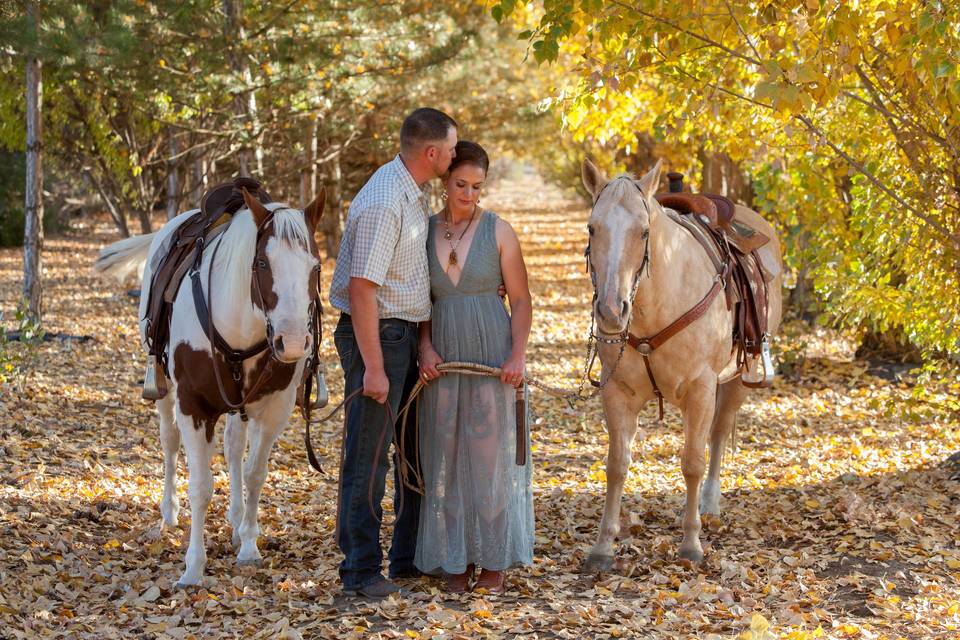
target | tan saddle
[
  {"x": 183, "y": 250},
  {"x": 725, "y": 231}
]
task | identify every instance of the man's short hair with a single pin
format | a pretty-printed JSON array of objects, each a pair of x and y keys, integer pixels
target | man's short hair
[{"x": 423, "y": 126}]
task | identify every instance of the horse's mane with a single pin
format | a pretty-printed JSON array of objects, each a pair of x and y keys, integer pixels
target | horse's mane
[{"x": 238, "y": 245}]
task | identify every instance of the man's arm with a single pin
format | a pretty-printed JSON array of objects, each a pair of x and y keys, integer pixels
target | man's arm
[{"x": 366, "y": 327}]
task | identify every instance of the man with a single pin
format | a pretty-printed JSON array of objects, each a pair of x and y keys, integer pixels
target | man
[{"x": 382, "y": 287}]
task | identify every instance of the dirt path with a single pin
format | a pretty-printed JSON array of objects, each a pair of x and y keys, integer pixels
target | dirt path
[{"x": 835, "y": 515}]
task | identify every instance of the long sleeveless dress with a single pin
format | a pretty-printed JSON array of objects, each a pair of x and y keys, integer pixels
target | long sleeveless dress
[{"x": 478, "y": 503}]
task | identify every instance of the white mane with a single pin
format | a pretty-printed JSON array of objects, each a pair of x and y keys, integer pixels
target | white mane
[{"x": 236, "y": 247}]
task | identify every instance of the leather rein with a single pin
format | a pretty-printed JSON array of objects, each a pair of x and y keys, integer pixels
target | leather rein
[
  {"x": 203, "y": 304},
  {"x": 644, "y": 345}
]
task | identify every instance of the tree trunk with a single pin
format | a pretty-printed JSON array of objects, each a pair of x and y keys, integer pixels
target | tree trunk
[
  {"x": 723, "y": 176},
  {"x": 173, "y": 182},
  {"x": 332, "y": 222},
  {"x": 119, "y": 218},
  {"x": 308, "y": 174},
  {"x": 33, "y": 229},
  {"x": 244, "y": 109},
  {"x": 199, "y": 180}
]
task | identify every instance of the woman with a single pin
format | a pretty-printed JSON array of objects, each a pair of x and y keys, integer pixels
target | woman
[{"x": 477, "y": 509}]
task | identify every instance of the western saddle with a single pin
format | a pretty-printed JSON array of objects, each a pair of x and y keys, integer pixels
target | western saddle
[
  {"x": 712, "y": 220},
  {"x": 182, "y": 251}
]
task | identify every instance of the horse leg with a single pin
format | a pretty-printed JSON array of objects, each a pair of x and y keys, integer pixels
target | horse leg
[
  {"x": 254, "y": 474},
  {"x": 170, "y": 440},
  {"x": 698, "y": 413},
  {"x": 200, "y": 491},
  {"x": 234, "y": 445},
  {"x": 729, "y": 398},
  {"x": 621, "y": 417}
]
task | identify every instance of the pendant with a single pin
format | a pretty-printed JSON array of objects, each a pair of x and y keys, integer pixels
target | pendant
[
  {"x": 452, "y": 260},
  {"x": 447, "y": 234}
]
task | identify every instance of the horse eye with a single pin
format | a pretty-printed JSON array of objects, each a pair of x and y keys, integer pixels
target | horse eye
[
  {"x": 316, "y": 267},
  {"x": 590, "y": 229},
  {"x": 262, "y": 265}
]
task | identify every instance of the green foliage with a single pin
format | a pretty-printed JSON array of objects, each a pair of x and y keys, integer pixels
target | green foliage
[
  {"x": 846, "y": 117},
  {"x": 18, "y": 358}
]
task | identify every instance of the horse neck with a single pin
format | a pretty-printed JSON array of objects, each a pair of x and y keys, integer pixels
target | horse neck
[
  {"x": 677, "y": 277},
  {"x": 234, "y": 315}
]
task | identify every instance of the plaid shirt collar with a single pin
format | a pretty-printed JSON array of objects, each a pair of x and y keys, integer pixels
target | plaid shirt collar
[{"x": 413, "y": 192}]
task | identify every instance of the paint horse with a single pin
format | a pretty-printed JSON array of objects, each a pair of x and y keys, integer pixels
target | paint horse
[
  {"x": 649, "y": 272},
  {"x": 258, "y": 282}
]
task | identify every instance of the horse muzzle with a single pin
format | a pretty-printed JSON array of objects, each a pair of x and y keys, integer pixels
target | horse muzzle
[
  {"x": 612, "y": 314},
  {"x": 289, "y": 347}
]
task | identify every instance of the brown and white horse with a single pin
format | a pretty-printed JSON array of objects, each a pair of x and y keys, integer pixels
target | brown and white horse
[
  {"x": 628, "y": 227},
  {"x": 260, "y": 276}
]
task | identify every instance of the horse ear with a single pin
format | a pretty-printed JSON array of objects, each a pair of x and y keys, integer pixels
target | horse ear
[
  {"x": 314, "y": 210},
  {"x": 593, "y": 178},
  {"x": 649, "y": 183},
  {"x": 259, "y": 211}
]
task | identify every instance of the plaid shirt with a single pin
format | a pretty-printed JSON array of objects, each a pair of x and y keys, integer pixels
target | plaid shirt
[{"x": 385, "y": 241}]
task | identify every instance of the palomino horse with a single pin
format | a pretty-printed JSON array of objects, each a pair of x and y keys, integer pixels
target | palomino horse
[
  {"x": 259, "y": 278},
  {"x": 648, "y": 272}
]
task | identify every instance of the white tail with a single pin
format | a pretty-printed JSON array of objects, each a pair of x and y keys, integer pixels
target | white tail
[{"x": 125, "y": 258}]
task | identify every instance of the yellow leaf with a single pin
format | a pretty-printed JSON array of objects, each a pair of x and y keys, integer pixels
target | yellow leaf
[
  {"x": 410, "y": 633},
  {"x": 759, "y": 625}
]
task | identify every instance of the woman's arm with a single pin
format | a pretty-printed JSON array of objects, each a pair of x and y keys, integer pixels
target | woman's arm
[
  {"x": 521, "y": 306},
  {"x": 428, "y": 358}
]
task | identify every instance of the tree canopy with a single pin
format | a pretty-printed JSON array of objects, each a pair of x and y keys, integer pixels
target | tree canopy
[{"x": 843, "y": 115}]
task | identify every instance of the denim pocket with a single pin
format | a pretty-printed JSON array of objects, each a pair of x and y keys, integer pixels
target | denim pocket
[{"x": 393, "y": 333}]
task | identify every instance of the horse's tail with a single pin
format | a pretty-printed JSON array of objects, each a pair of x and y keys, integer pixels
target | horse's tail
[{"x": 125, "y": 258}]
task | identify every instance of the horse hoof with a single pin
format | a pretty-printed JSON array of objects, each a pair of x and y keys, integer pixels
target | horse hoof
[
  {"x": 596, "y": 563},
  {"x": 186, "y": 584},
  {"x": 250, "y": 562},
  {"x": 693, "y": 555}
]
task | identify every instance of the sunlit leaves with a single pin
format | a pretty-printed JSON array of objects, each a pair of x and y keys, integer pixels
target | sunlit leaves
[{"x": 796, "y": 88}]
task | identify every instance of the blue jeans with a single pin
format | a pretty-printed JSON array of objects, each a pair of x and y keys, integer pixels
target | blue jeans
[{"x": 359, "y": 531}]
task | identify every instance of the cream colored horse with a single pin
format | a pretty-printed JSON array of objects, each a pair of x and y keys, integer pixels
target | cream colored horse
[{"x": 626, "y": 222}]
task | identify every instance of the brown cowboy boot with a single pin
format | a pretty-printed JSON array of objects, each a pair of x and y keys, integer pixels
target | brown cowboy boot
[
  {"x": 459, "y": 582},
  {"x": 494, "y": 582}
]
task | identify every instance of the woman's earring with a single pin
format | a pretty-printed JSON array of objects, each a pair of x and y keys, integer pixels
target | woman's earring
[{"x": 444, "y": 194}]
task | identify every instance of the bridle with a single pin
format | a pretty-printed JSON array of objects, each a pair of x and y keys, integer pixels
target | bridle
[
  {"x": 596, "y": 335},
  {"x": 235, "y": 358}
]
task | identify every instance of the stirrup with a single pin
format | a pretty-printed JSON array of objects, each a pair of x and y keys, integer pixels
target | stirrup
[
  {"x": 322, "y": 398},
  {"x": 758, "y": 379},
  {"x": 154, "y": 381}
]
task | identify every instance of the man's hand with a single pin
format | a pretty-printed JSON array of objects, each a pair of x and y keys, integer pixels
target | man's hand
[
  {"x": 376, "y": 385},
  {"x": 502, "y": 291}
]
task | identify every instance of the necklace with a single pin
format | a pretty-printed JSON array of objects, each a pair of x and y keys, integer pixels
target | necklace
[{"x": 448, "y": 234}]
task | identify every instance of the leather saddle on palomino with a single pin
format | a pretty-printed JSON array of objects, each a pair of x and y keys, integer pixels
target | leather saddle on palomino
[
  {"x": 714, "y": 221},
  {"x": 182, "y": 250}
]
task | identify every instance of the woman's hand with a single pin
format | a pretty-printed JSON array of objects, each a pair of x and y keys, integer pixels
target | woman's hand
[
  {"x": 428, "y": 360},
  {"x": 512, "y": 370}
]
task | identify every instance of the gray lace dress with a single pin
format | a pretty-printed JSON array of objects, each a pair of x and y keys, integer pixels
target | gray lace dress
[{"x": 478, "y": 503}]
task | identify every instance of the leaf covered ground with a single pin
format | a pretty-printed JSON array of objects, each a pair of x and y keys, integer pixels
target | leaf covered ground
[{"x": 838, "y": 521}]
